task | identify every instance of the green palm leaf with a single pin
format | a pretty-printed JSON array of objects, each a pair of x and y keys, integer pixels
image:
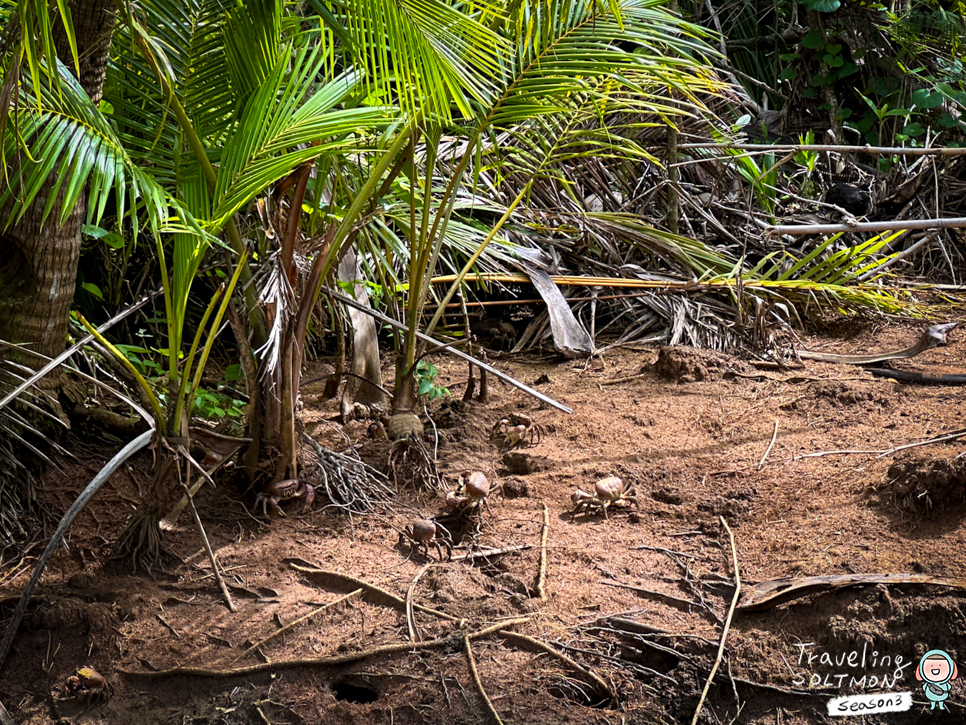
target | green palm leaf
[
  {"x": 189, "y": 40},
  {"x": 566, "y": 46},
  {"x": 69, "y": 136},
  {"x": 427, "y": 53},
  {"x": 285, "y": 125}
]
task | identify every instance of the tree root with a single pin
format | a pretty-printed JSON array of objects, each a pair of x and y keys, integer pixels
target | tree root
[
  {"x": 334, "y": 661},
  {"x": 328, "y": 578},
  {"x": 140, "y": 542},
  {"x": 294, "y": 623},
  {"x": 603, "y": 689},
  {"x": 475, "y": 676},
  {"x": 411, "y": 465}
]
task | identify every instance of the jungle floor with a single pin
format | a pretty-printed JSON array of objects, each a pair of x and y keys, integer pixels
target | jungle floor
[{"x": 637, "y": 600}]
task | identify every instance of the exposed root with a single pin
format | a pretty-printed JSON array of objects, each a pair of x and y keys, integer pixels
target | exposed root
[
  {"x": 330, "y": 578},
  {"x": 334, "y": 661},
  {"x": 410, "y": 464},
  {"x": 475, "y": 676},
  {"x": 294, "y": 623},
  {"x": 603, "y": 689},
  {"x": 348, "y": 482},
  {"x": 140, "y": 542}
]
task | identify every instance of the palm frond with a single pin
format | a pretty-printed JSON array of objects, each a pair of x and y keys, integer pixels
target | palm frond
[
  {"x": 69, "y": 136},
  {"x": 566, "y": 46},
  {"x": 252, "y": 36},
  {"x": 189, "y": 41},
  {"x": 428, "y": 53},
  {"x": 285, "y": 125}
]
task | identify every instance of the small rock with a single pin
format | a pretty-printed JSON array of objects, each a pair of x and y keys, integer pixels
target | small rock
[{"x": 516, "y": 488}]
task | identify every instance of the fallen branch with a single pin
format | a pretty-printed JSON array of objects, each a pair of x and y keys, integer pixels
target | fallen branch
[
  {"x": 333, "y": 661},
  {"x": 778, "y": 591},
  {"x": 727, "y": 624},
  {"x": 296, "y": 622},
  {"x": 882, "y": 453},
  {"x": 941, "y": 439},
  {"x": 542, "y": 572},
  {"x": 906, "y": 376},
  {"x": 326, "y": 578},
  {"x": 822, "y": 454},
  {"x": 475, "y": 676},
  {"x": 834, "y": 148}
]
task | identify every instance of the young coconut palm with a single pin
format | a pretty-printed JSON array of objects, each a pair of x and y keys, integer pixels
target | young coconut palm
[
  {"x": 506, "y": 67},
  {"x": 198, "y": 127},
  {"x": 286, "y": 106}
]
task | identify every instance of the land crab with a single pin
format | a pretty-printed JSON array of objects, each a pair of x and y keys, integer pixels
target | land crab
[
  {"x": 609, "y": 491},
  {"x": 88, "y": 684},
  {"x": 423, "y": 532},
  {"x": 517, "y": 430},
  {"x": 471, "y": 492},
  {"x": 284, "y": 491}
]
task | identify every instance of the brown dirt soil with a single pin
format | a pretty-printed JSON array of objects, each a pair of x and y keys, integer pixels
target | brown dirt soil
[{"x": 639, "y": 597}]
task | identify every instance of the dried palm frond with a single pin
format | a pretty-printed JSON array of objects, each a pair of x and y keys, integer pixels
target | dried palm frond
[{"x": 20, "y": 435}]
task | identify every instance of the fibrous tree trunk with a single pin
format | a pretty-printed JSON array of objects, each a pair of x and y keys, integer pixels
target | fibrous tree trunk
[{"x": 38, "y": 268}]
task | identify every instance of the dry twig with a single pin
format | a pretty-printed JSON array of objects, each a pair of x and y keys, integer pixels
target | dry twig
[
  {"x": 201, "y": 529},
  {"x": 475, "y": 676},
  {"x": 296, "y": 622},
  {"x": 542, "y": 573},
  {"x": 774, "y": 437},
  {"x": 482, "y": 554},
  {"x": 727, "y": 624},
  {"x": 410, "y": 618},
  {"x": 941, "y": 439}
]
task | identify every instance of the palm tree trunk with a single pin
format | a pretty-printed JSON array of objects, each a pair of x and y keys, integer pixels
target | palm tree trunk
[{"x": 39, "y": 265}]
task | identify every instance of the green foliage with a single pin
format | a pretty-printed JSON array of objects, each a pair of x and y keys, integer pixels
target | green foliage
[
  {"x": 142, "y": 359},
  {"x": 824, "y": 6},
  {"x": 216, "y": 406},
  {"x": 426, "y": 384},
  {"x": 895, "y": 76},
  {"x": 807, "y": 161},
  {"x": 846, "y": 279}
]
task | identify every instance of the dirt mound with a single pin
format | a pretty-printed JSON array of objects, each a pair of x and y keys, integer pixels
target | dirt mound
[
  {"x": 689, "y": 364},
  {"x": 920, "y": 482},
  {"x": 841, "y": 393}
]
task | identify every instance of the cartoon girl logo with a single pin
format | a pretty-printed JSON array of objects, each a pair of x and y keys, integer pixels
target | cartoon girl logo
[{"x": 936, "y": 672}]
